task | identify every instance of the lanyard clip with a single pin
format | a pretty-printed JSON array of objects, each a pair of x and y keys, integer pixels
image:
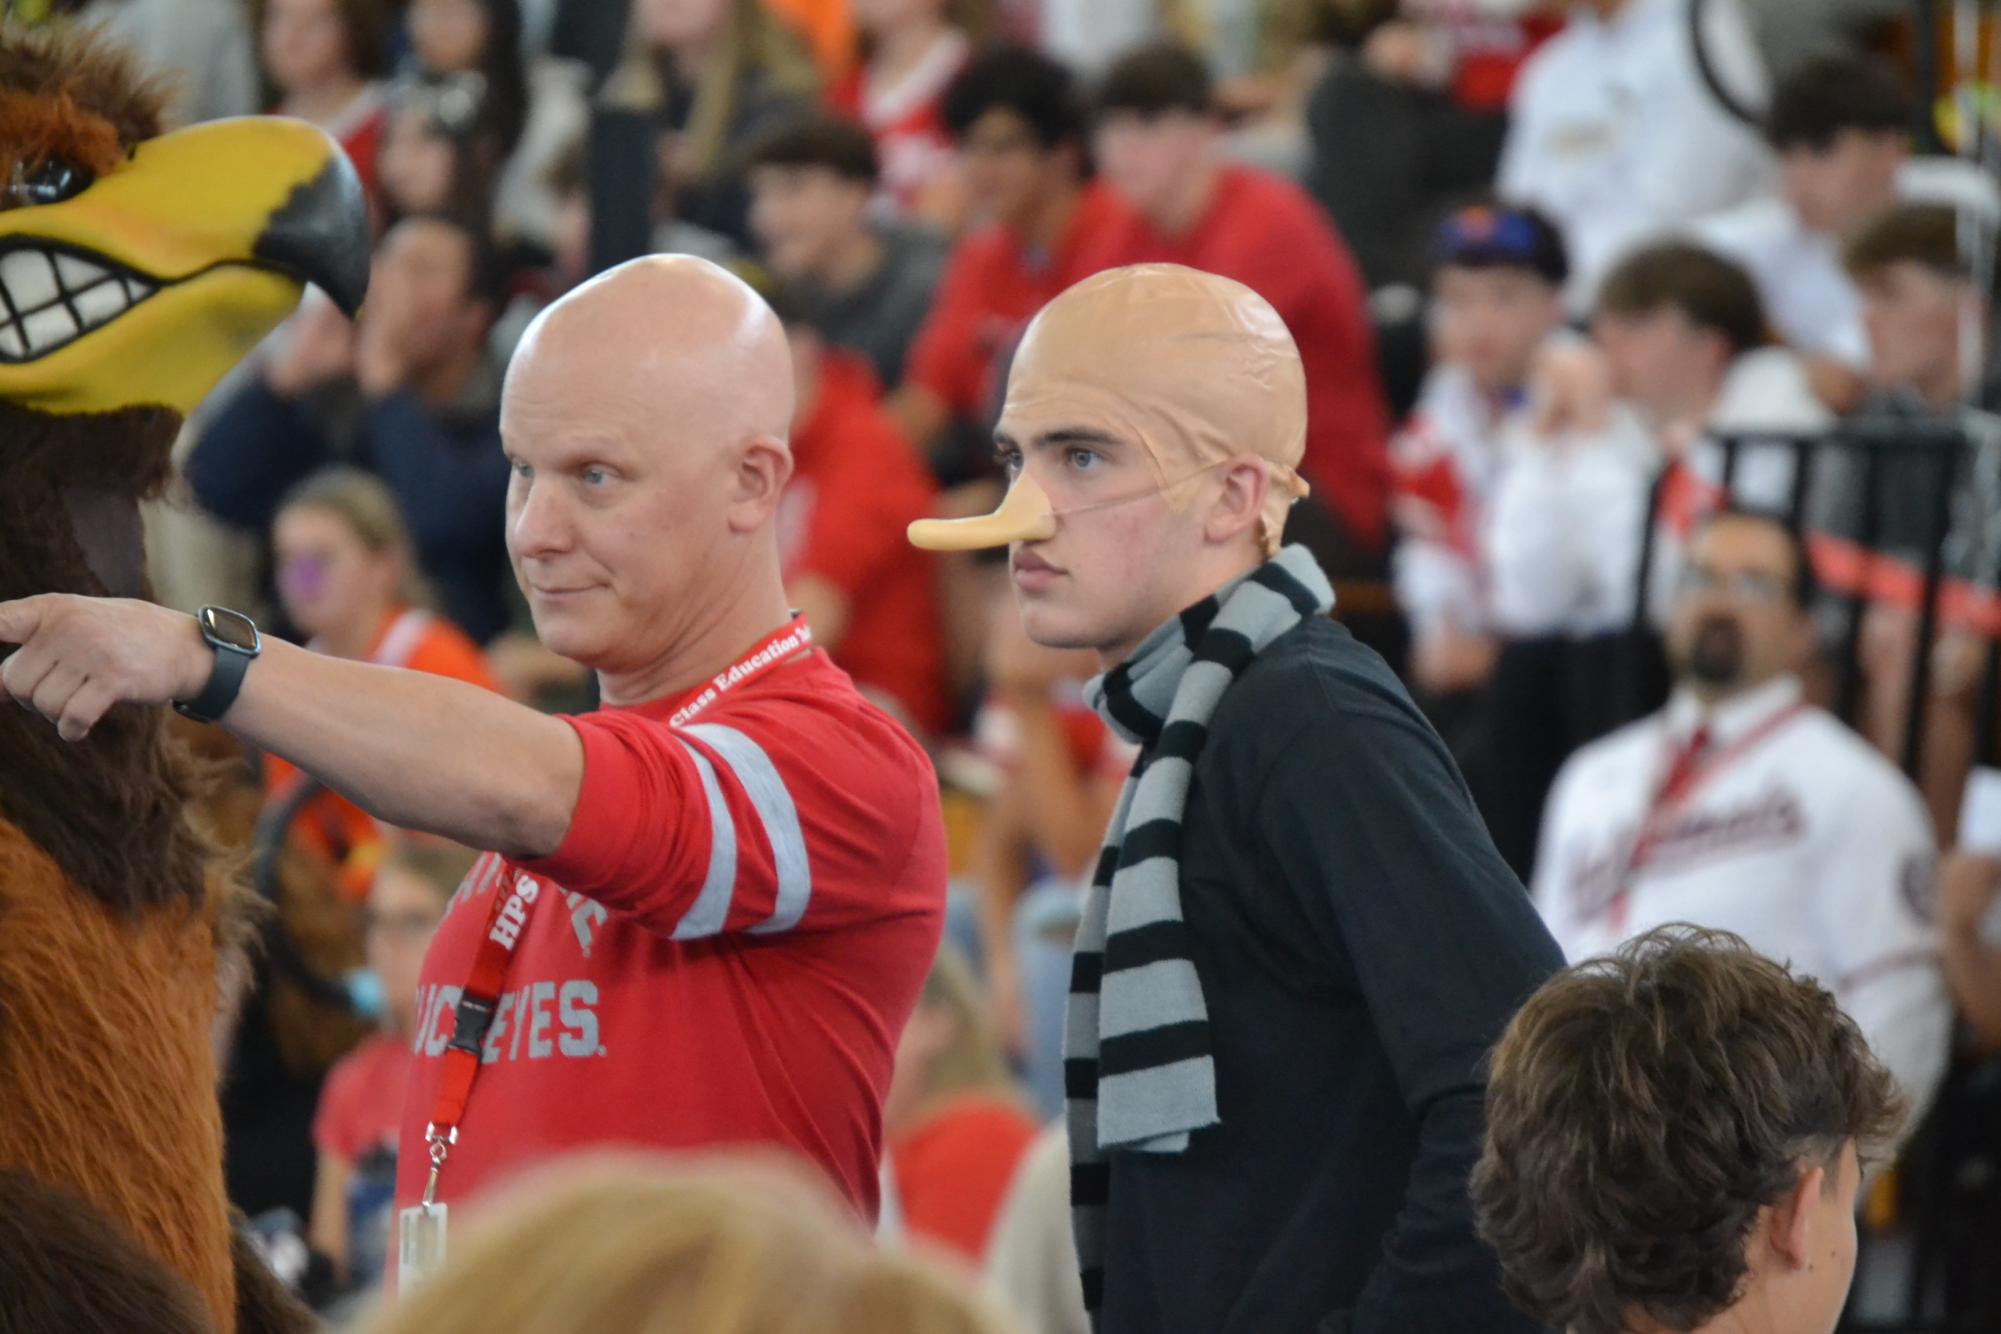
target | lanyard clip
[{"x": 440, "y": 1142}]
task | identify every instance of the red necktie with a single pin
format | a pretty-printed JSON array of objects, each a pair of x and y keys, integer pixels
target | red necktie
[{"x": 1686, "y": 761}]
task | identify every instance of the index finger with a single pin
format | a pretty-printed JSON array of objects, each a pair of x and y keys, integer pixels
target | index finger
[{"x": 20, "y": 618}]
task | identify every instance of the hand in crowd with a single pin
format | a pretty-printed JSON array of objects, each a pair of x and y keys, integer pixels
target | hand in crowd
[
  {"x": 1452, "y": 659},
  {"x": 1969, "y": 883},
  {"x": 384, "y": 340},
  {"x": 316, "y": 349},
  {"x": 1570, "y": 390}
]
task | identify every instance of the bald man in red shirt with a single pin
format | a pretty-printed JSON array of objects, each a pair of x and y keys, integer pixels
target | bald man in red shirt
[
  {"x": 709, "y": 906},
  {"x": 1158, "y": 149}
]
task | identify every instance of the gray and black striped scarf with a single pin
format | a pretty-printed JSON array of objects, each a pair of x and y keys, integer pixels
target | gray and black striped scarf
[{"x": 1137, "y": 1064}]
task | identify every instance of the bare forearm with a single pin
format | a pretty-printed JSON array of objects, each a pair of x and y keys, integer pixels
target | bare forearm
[
  {"x": 414, "y": 750},
  {"x": 1973, "y": 970}
]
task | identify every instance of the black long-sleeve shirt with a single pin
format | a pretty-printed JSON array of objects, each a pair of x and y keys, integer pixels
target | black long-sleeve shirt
[
  {"x": 446, "y": 468},
  {"x": 1361, "y": 945}
]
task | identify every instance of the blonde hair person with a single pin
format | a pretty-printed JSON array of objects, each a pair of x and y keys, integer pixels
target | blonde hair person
[
  {"x": 364, "y": 506},
  {"x": 347, "y": 576},
  {"x": 642, "y": 1244},
  {"x": 889, "y": 1293},
  {"x": 954, "y": 1125},
  {"x": 719, "y": 48}
]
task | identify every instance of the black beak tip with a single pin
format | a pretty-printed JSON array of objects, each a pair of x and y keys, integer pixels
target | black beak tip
[{"x": 321, "y": 234}]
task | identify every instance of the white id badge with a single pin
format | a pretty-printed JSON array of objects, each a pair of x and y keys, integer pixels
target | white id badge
[{"x": 420, "y": 1245}]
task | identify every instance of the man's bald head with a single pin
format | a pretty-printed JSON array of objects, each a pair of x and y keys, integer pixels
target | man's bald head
[
  {"x": 669, "y": 347},
  {"x": 645, "y": 417}
]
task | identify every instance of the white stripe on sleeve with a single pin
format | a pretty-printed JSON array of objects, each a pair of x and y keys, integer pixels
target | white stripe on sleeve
[
  {"x": 711, "y": 908},
  {"x": 775, "y": 810}
]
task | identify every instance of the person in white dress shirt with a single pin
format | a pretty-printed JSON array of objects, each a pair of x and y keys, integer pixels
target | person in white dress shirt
[
  {"x": 1741, "y": 807},
  {"x": 1616, "y": 134}
]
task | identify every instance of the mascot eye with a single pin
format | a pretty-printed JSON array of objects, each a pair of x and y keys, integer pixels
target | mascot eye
[{"x": 50, "y": 181}]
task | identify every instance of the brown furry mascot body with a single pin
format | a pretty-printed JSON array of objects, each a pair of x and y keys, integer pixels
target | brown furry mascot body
[{"x": 115, "y": 911}]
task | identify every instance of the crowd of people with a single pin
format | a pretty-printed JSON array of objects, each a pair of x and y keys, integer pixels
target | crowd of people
[{"x": 1571, "y": 283}]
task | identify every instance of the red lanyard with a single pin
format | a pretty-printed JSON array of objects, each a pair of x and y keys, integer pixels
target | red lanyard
[
  {"x": 1671, "y": 796},
  {"x": 507, "y": 920}
]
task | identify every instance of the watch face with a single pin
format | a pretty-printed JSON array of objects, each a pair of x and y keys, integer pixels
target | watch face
[{"x": 233, "y": 628}]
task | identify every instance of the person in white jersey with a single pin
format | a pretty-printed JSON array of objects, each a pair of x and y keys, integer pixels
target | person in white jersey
[{"x": 1741, "y": 807}]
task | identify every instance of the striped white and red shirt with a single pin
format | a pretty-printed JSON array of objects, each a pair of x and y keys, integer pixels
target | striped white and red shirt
[{"x": 723, "y": 951}]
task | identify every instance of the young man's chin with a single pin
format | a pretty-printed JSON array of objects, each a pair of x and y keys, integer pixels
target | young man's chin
[{"x": 1053, "y": 628}]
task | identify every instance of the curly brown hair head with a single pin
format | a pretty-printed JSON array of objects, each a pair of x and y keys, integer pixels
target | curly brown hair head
[{"x": 1643, "y": 1109}]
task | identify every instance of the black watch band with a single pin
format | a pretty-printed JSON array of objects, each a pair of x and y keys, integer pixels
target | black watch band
[{"x": 233, "y": 638}]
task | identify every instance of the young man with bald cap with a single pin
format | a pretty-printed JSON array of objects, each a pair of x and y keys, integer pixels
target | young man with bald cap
[
  {"x": 709, "y": 907},
  {"x": 1299, "y": 941}
]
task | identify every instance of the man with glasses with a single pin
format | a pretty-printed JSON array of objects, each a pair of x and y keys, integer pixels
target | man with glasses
[{"x": 1743, "y": 808}]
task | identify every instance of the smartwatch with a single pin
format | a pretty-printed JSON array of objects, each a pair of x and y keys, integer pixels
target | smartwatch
[{"x": 233, "y": 638}]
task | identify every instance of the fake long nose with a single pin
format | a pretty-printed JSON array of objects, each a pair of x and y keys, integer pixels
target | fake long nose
[{"x": 1024, "y": 515}]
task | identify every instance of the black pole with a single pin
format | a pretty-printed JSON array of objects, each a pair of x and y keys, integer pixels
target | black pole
[
  {"x": 1924, "y": 40},
  {"x": 1732, "y": 446},
  {"x": 1945, "y": 471},
  {"x": 1637, "y": 643},
  {"x": 1803, "y": 456},
  {"x": 1848, "y": 693}
]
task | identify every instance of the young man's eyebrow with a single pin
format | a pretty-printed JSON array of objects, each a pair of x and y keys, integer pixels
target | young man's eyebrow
[{"x": 1077, "y": 435}]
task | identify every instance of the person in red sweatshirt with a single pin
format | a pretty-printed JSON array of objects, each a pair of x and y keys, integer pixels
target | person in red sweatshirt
[
  {"x": 1158, "y": 147},
  {"x": 871, "y": 597},
  {"x": 1019, "y": 127},
  {"x": 705, "y": 910}
]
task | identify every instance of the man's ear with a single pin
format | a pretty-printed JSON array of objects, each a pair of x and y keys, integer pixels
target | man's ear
[
  {"x": 1240, "y": 503},
  {"x": 763, "y": 466},
  {"x": 1789, "y": 1219}
]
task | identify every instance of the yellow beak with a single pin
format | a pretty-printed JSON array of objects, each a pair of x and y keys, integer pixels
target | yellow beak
[
  {"x": 145, "y": 288},
  {"x": 1024, "y": 515}
]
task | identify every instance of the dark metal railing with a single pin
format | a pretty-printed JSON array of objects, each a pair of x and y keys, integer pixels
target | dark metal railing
[{"x": 1875, "y": 443}]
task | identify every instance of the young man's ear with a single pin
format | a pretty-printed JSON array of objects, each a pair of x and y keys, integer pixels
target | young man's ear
[
  {"x": 1789, "y": 1221},
  {"x": 1241, "y": 502}
]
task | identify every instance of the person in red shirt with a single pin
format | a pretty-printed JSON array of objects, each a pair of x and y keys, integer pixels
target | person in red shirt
[
  {"x": 710, "y": 905},
  {"x": 1159, "y": 147},
  {"x": 912, "y": 51},
  {"x": 871, "y": 597},
  {"x": 1019, "y": 127},
  {"x": 957, "y": 1130},
  {"x": 360, "y": 1115}
]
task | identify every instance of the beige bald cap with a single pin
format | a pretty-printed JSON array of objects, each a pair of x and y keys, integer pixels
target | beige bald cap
[
  {"x": 1196, "y": 369},
  {"x": 665, "y": 340}
]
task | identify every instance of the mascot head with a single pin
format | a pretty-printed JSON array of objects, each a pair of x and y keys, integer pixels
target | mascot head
[{"x": 136, "y": 268}]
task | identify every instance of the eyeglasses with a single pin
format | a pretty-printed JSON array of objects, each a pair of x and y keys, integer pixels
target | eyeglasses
[{"x": 1747, "y": 586}]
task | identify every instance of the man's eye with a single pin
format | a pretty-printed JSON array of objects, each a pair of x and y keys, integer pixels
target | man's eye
[
  {"x": 1009, "y": 460},
  {"x": 50, "y": 181},
  {"x": 1082, "y": 458},
  {"x": 596, "y": 477}
]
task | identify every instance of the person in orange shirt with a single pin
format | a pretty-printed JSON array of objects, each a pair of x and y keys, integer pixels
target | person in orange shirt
[
  {"x": 955, "y": 1129},
  {"x": 349, "y": 584}
]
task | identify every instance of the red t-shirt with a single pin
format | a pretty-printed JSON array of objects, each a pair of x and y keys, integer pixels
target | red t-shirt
[
  {"x": 993, "y": 286},
  {"x": 952, "y": 1171},
  {"x": 1266, "y": 233},
  {"x": 907, "y": 119},
  {"x": 723, "y": 951},
  {"x": 856, "y": 486},
  {"x": 361, "y": 1103}
]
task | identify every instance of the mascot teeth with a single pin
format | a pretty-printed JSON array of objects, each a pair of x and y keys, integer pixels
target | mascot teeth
[{"x": 50, "y": 298}]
